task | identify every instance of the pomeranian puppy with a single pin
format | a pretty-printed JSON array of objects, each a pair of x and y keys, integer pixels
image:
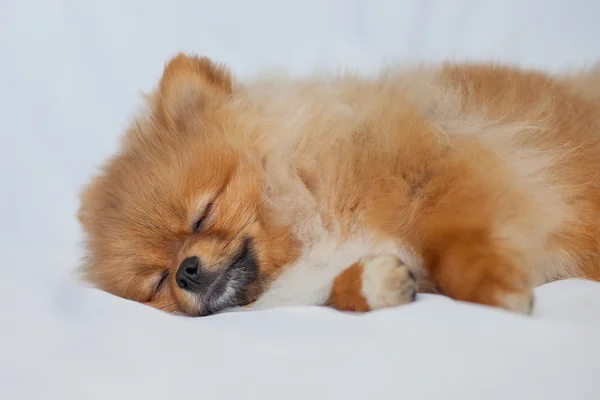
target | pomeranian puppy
[{"x": 478, "y": 182}]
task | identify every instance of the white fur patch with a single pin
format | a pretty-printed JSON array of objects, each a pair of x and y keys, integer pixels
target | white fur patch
[{"x": 521, "y": 302}]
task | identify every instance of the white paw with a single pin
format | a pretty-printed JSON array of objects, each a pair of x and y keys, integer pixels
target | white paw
[
  {"x": 387, "y": 282},
  {"x": 520, "y": 302}
]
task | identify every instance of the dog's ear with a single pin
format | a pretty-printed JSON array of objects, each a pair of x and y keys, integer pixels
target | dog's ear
[{"x": 187, "y": 83}]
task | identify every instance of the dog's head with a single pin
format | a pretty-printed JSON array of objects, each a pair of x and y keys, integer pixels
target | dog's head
[{"x": 177, "y": 218}]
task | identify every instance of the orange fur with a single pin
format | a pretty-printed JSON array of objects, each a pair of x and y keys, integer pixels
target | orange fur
[
  {"x": 346, "y": 291},
  {"x": 482, "y": 178}
]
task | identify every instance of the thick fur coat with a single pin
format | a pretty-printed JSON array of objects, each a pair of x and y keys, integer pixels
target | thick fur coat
[{"x": 475, "y": 181}]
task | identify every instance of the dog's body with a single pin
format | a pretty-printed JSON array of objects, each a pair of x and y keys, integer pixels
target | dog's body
[{"x": 483, "y": 180}]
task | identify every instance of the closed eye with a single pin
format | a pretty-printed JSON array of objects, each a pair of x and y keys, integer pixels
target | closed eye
[
  {"x": 200, "y": 222},
  {"x": 162, "y": 281}
]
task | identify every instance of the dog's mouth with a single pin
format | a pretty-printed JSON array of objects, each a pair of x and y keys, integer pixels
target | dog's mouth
[{"x": 230, "y": 287}]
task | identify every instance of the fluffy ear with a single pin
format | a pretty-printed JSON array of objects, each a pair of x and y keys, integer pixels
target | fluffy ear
[{"x": 188, "y": 82}]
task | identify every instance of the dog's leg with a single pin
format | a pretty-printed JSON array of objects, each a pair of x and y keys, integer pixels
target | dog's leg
[
  {"x": 471, "y": 266},
  {"x": 373, "y": 283}
]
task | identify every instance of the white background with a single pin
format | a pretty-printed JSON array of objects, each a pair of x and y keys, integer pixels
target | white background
[{"x": 70, "y": 77}]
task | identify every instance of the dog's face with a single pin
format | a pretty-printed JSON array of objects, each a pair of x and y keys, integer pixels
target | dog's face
[{"x": 177, "y": 219}]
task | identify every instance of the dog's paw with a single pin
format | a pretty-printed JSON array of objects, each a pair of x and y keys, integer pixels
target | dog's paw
[
  {"x": 387, "y": 282},
  {"x": 521, "y": 301}
]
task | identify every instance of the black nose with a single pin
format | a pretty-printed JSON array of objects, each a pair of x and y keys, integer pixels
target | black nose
[{"x": 190, "y": 276}]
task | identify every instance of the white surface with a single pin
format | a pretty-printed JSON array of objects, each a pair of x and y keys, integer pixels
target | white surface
[{"x": 70, "y": 74}]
